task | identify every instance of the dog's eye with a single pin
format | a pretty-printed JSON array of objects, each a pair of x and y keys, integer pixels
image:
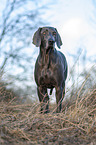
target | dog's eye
[
  {"x": 44, "y": 33},
  {"x": 54, "y": 33}
]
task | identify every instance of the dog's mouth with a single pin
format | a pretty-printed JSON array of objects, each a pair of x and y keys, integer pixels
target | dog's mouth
[{"x": 49, "y": 48}]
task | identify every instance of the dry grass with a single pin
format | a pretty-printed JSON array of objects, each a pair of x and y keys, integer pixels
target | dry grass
[{"x": 23, "y": 124}]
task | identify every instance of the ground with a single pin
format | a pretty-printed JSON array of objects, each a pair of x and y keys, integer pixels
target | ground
[{"x": 22, "y": 124}]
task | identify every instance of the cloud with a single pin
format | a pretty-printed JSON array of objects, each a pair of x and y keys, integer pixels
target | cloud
[
  {"x": 75, "y": 28},
  {"x": 76, "y": 33}
]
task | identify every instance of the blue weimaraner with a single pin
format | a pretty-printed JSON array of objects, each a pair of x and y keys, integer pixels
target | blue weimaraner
[{"x": 50, "y": 67}]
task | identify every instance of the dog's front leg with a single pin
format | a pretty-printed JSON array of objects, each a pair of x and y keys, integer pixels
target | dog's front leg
[
  {"x": 44, "y": 99},
  {"x": 59, "y": 98}
]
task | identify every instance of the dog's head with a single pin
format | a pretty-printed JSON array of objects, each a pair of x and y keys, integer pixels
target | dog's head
[{"x": 46, "y": 37}]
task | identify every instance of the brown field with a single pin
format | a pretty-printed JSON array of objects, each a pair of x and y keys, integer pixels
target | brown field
[{"x": 22, "y": 124}]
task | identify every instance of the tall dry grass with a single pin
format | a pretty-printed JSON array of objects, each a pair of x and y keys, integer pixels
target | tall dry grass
[{"x": 23, "y": 124}]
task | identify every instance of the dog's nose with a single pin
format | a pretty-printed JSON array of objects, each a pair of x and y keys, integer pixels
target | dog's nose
[{"x": 51, "y": 41}]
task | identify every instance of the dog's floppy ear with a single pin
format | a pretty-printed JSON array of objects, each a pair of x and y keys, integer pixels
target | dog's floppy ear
[
  {"x": 37, "y": 38},
  {"x": 58, "y": 39}
]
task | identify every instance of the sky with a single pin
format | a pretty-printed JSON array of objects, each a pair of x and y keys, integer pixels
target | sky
[{"x": 75, "y": 21}]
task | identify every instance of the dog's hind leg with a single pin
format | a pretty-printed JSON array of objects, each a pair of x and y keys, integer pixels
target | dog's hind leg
[{"x": 60, "y": 93}]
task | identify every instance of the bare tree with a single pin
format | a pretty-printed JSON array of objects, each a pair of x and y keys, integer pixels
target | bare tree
[{"x": 18, "y": 21}]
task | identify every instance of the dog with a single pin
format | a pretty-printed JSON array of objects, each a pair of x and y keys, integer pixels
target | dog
[{"x": 50, "y": 67}]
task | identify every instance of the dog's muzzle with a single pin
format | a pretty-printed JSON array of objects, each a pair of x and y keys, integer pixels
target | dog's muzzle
[{"x": 51, "y": 42}]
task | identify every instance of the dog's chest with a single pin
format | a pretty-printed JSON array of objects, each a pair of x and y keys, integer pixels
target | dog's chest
[
  {"x": 47, "y": 77},
  {"x": 46, "y": 70}
]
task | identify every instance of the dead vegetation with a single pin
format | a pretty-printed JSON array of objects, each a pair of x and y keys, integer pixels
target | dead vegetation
[{"x": 23, "y": 124}]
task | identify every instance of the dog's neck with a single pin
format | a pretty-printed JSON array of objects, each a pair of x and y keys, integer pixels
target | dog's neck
[{"x": 45, "y": 56}]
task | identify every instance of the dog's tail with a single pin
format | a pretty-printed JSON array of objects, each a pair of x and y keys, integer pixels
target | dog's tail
[{"x": 51, "y": 91}]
